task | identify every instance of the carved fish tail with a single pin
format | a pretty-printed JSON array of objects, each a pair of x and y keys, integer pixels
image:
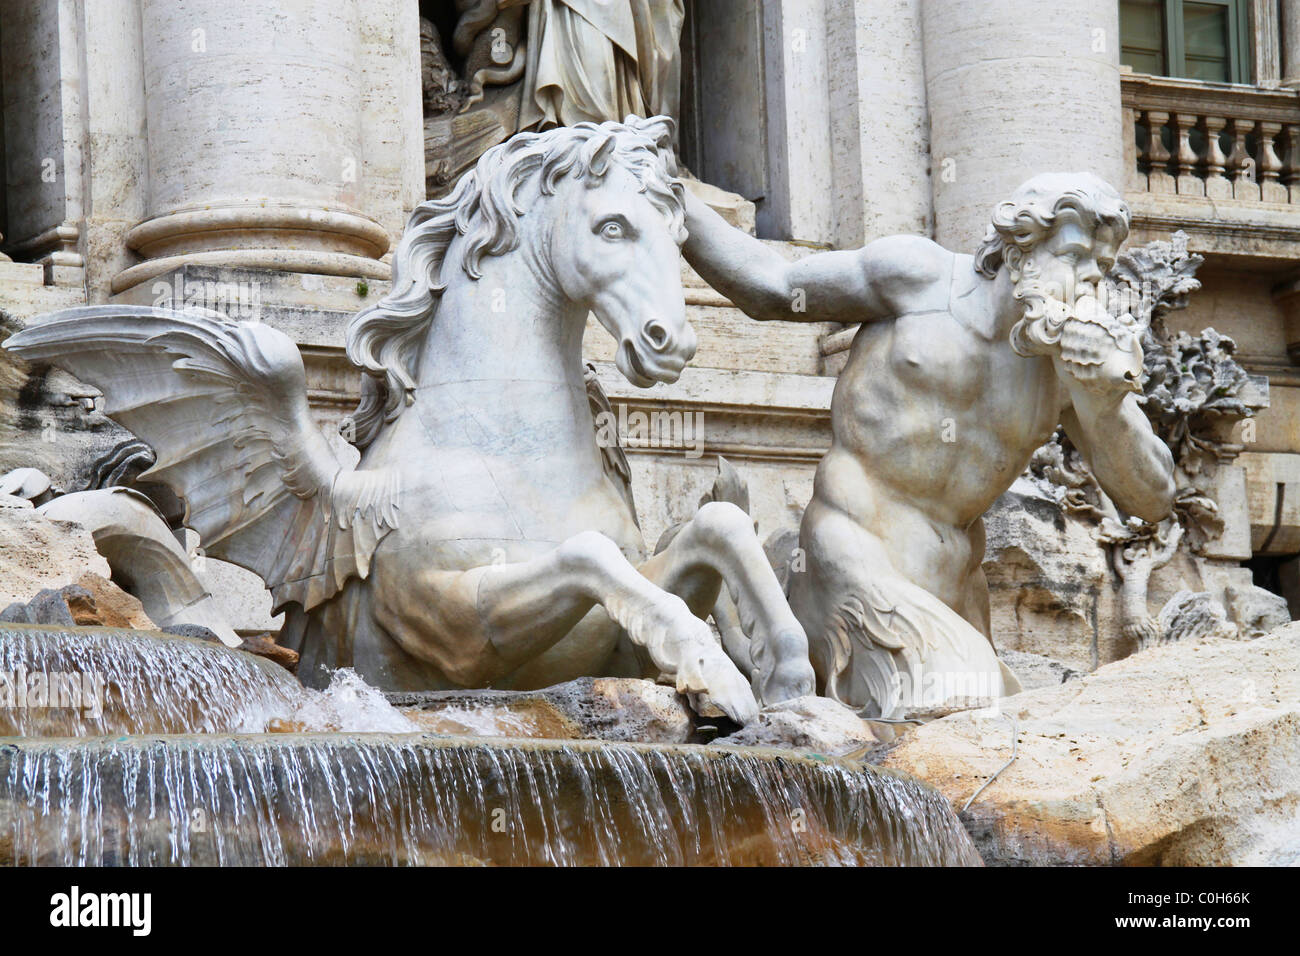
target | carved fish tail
[{"x": 877, "y": 639}]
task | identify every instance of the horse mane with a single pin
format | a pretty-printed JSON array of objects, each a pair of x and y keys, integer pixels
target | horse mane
[{"x": 484, "y": 212}]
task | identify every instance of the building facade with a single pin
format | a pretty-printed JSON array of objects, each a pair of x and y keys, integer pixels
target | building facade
[{"x": 262, "y": 157}]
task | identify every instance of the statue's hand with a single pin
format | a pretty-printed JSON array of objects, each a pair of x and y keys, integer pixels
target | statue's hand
[{"x": 1099, "y": 352}]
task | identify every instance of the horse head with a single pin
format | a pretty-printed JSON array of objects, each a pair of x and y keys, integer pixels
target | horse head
[
  {"x": 614, "y": 248},
  {"x": 597, "y": 212}
]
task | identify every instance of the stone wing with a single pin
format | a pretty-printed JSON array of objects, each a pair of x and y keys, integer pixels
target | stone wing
[{"x": 224, "y": 405}]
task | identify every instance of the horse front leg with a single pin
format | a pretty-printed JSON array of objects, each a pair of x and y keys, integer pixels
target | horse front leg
[
  {"x": 479, "y": 625},
  {"x": 718, "y": 546}
]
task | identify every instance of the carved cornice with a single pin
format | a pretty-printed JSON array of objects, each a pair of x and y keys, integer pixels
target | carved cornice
[{"x": 1139, "y": 91}]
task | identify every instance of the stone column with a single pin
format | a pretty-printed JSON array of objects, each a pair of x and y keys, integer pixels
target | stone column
[
  {"x": 1290, "y": 41},
  {"x": 799, "y": 204},
  {"x": 1017, "y": 88},
  {"x": 254, "y": 116},
  {"x": 392, "y": 112},
  {"x": 879, "y": 128}
]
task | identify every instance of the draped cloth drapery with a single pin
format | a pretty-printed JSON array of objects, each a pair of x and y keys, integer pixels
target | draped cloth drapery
[{"x": 598, "y": 60}]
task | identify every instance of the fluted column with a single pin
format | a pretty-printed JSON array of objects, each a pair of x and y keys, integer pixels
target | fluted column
[
  {"x": 255, "y": 139},
  {"x": 1016, "y": 88},
  {"x": 1290, "y": 43}
]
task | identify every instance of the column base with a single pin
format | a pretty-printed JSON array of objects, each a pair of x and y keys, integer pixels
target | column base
[{"x": 256, "y": 235}]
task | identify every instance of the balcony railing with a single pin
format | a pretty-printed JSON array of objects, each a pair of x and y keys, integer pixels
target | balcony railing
[{"x": 1217, "y": 141}]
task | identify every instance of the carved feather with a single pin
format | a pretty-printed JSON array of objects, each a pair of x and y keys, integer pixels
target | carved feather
[{"x": 224, "y": 406}]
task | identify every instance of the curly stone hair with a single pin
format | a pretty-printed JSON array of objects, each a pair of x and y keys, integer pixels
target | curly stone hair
[{"x": 1027, "y": 218}]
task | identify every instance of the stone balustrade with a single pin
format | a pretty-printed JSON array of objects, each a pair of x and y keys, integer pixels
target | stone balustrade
[{"x": 1215, "y": 141}]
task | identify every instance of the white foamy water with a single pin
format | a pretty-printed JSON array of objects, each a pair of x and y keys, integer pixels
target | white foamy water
[{"x": 147, "y": 683}]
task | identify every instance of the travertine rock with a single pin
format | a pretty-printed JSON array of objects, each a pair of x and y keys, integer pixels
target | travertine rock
[
  {"x": 38, "y": 553},
  {"x": 1035, "y": 670},
  {"x": 95, "y": 600},
  {"x": 602, "y": 708},
  {"x": 49, "y": 607},
  {"x": 1050, "y": 589},
  {"x": 1256, "y": 610},
  {"x": 1184, "y": 754},
  {"x": 806, "y": 723}
]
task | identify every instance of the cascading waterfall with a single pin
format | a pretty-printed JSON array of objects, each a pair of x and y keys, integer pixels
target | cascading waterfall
[
  {"x": 98, "y": 681},
  {"x": 172, "y": 767},
  {"x": 407, "y": 799}
]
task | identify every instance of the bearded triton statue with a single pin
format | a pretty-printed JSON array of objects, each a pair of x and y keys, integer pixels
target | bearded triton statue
[
  {"x": 485, "y": 538},
  {"x": 963, "y": 366}
]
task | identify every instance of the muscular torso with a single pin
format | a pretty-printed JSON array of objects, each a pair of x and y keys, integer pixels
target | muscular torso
[{"x": 933, "y": 417}]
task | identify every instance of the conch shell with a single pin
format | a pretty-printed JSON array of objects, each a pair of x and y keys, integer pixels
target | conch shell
[{"x": 1102, "y": 348}]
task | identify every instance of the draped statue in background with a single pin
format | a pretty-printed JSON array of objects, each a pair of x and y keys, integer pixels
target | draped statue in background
[
  {"x": 535, "y": 64},
  {"x": 598, "y": 60}
]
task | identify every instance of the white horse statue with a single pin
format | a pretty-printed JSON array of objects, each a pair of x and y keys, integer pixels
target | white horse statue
[{"x": 484, "y": 538}]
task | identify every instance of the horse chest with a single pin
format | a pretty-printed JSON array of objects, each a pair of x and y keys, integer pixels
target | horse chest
[{"x": 473, "y": 508}]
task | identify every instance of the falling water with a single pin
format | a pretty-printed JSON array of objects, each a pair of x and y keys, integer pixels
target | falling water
[
  {"x": 415, "y": 800},
  {"x": 169, "y": 763},
  {"x": 98, "y": 681}
]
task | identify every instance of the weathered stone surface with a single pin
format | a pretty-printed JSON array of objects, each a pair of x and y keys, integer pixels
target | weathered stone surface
[
  {"x": 1193, "y": 616},
  {"x": 38, "y": 553},
  {"x": 1184, "y": 754},
  {"x": 48, "y": 607},
  {"x": 1050, "y": 590},
  {"x": 95, "y": 600},
  {"x": 811, "y": 723},
  {"x": 1256, "y": 610},
  {"x": 1035, "y": 670},
  {"x": 601, "y": 708}
]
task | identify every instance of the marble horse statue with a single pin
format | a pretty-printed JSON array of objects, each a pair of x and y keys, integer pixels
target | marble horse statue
[{"x": 485, "y": 538}]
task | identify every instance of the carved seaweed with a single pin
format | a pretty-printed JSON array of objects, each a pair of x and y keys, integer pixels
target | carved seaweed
[
  {"x": 1193, "y": 392},
  {"x": 1155, "y": 279}
]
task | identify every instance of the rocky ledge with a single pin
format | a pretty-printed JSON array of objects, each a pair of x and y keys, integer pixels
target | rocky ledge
[{"x": 1186, "y": 754}]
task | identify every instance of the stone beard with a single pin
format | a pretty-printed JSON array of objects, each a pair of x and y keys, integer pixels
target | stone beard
[{"x": 1097, "y": 341}]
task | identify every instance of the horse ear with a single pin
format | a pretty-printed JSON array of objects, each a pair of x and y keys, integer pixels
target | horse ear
[
  {"x": 658, "y": 128},
  {"x": 601, "y": 151}
]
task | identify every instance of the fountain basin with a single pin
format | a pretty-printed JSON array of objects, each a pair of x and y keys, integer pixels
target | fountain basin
[{"x": 412, "y": 799}]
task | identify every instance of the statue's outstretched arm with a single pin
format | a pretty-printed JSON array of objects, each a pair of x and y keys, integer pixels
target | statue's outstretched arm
[
  {"x": 879, "y": 281},
  {"x": 1130, "y": 461}
]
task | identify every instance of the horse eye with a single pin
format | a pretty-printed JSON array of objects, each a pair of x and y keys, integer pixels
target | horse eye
[{"x": 612, "y": 230}]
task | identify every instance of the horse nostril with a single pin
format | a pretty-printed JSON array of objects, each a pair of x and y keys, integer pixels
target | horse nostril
[{"x": 657, "y": 335}]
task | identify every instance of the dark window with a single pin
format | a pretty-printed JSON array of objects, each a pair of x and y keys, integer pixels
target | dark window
[{"x": 1197, "y": 39}]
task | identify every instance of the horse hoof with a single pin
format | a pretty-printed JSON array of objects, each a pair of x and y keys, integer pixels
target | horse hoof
[{"x": 787, "y": 681}]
